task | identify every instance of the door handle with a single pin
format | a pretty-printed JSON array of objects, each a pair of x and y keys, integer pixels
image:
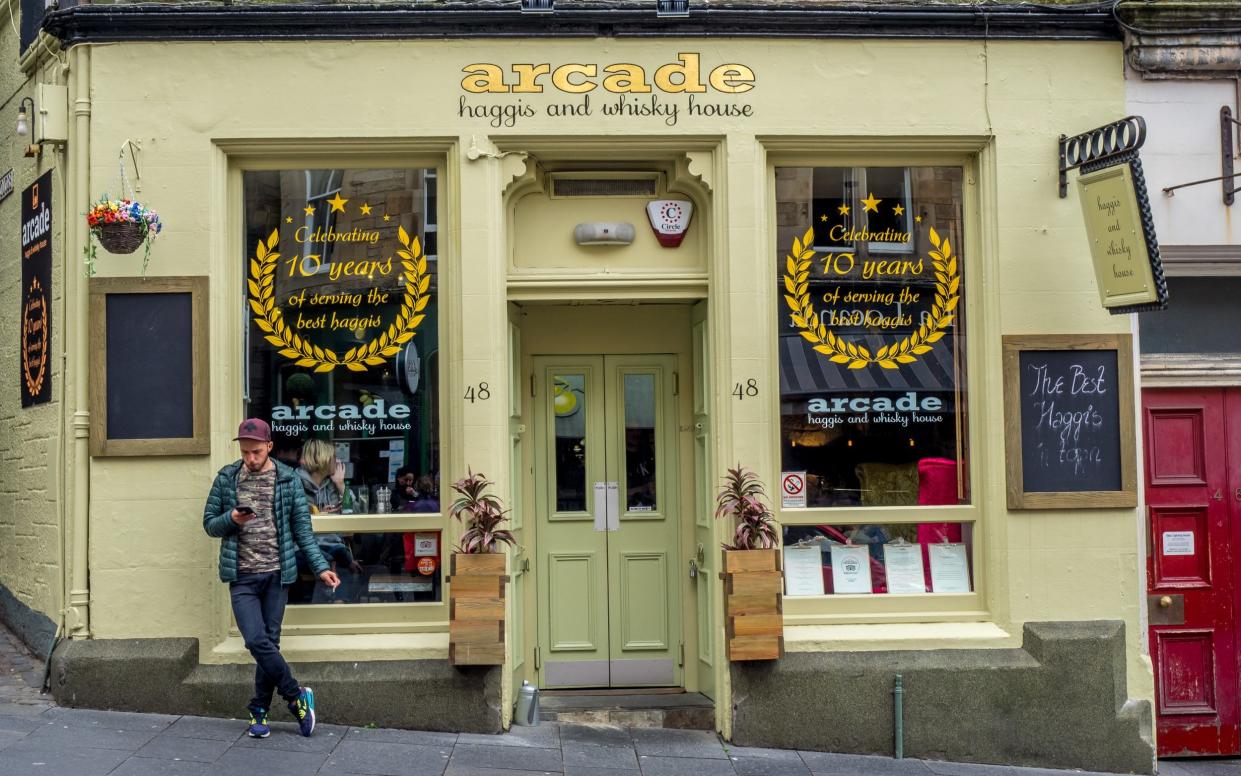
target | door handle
[{"x": 601, "y": 506}]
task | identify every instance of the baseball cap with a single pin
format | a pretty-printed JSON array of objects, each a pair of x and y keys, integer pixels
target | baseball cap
[{"x": 253, "y": 428}]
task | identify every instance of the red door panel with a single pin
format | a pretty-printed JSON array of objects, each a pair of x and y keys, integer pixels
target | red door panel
[{"x": 1190, "y": 498}]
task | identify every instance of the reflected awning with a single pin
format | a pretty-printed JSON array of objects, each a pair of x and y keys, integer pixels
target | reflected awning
[{"x": 804, "y": 372}]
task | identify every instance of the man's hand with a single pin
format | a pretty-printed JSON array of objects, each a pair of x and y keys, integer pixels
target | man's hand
[
  {"x": 329, "y": 578},
  {"x": 241, "y": 518}
]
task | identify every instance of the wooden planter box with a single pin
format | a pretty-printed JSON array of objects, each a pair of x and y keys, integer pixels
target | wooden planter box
[
  {"x": 753, "y": 604},
  {"x": 476, "y": 609}
]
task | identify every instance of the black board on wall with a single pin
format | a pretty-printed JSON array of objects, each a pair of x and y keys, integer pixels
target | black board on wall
[
  {"x": 148, "y": 367},
  {"x": 1069, "y": 421}
]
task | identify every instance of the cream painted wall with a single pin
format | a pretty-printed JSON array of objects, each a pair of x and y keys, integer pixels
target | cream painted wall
[
  {"x": 30, "y": 538},
  {"x": 1028, "y": 271}
]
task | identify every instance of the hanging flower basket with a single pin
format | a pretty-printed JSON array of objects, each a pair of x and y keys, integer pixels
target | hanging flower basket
[{"x": 121, "y": 226}]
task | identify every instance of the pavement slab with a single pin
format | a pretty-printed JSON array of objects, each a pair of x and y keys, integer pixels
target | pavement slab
[
  {"x": 166, "y": 747},
  {"x": 527, "y": 758},
  {"x": 207, "y": 727},
  {"x": 750, "y": 761},
  {"x": 27, "y": 758},
  {"x": 830, "y": 764},
  {"x": 659, "y": 742},
  {"x": 685, "y": 766},
  {"x": 153, "y": 766},
  {"x": 597, "y": 735},
  {"x": 389, "y": 736},
  {"x": 592, "y": 755},
  {"x": 388, "y": 759}
]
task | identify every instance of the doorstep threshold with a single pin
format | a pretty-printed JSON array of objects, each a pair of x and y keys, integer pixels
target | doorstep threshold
[{"x": 657, "y": 708}]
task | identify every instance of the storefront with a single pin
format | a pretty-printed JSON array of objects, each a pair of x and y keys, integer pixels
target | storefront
[{"x": 628, "y": 262}]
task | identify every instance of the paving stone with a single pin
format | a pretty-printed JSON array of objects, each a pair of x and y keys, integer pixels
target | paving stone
[
  {"x": 284, "y": 736},
  {"x": 684, "y": 766},
  {"x": 580, "y": 770},
  {"x": 9, "y": 737},
  {"x": 375, "y": 757},
  {"x": 527, "y": 758},
  {"x": 24, "y": 758},
  {"x": 980, "y": 769},
  {"x": 207, "y": 727},
  {"x": 750, "y": 761},
  {"x": 166, "y": 747},
  {"x": 590, "y": 755},
  {"x": 59, "y": 733},
  {"x": 391, "y": 736},
  {"x": 20, "y": 724},
  {"x": 539, "y": 736},
  {"x": 252, "y": 762},
  {"x": 597, "y": 735},
  {"x": 830, "y": 763},
  {"x": 658, "y": 742},
  {"x": 153, "y": 766},
  {"x": 469, "y": 770},
  {"x": 112, "y": 720}
]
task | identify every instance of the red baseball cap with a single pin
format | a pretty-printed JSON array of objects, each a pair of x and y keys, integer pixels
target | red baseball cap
[{"x": 253, "y": 428}]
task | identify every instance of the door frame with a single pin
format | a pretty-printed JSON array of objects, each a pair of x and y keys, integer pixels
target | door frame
[{"x": 567, "y": 329}]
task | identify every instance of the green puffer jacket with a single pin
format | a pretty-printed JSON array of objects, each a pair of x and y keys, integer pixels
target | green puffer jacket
[{"x": 291, "y": 515}]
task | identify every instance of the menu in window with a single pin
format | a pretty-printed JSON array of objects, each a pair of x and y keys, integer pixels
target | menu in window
[
  {"x": 851, "y": 568},
  {"x": 950, "y": 572},
  {"x": 803, "y": 571},
  {"x": 903, "y": 563}
]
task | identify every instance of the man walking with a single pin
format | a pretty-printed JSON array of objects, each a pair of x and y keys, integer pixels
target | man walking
[{"x": 257, "y": 509}]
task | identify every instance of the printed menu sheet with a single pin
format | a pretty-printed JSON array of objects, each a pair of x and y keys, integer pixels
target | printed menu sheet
[
  {"x": 950, "y": 572},
  {"x": 903, "y": 562},
  {"x": 803, "y": 571},
  {"x": 851, "y": 568}
]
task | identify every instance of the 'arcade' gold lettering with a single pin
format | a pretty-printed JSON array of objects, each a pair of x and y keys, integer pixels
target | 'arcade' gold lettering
[{"x": 679, "y": 77}]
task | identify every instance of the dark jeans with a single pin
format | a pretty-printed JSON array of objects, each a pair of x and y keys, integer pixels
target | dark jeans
[{"x": 258, "y": 607}]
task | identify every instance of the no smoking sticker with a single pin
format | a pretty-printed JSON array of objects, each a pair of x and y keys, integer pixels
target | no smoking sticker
[{"x": 793, "y": 490}]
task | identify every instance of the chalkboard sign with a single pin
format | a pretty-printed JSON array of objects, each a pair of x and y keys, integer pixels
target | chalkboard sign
[
  {"x": 148, "y": 371},
  {"x": 1069, "y": 427}
]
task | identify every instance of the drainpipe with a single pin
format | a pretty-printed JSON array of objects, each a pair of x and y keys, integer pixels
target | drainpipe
[{"x": 77, "y": 610}]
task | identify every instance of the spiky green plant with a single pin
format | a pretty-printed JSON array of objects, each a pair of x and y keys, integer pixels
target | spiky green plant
[
  {"x": 741, "y": 498},
  {"x": 482, "y": 513}
]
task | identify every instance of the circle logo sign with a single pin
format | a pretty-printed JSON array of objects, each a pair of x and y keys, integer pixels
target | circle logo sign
[
  {"x": 794, "y": 483},
  {"x": 426, "y": 566}
]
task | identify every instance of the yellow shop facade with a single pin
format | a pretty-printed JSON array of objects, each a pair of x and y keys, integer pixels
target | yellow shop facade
[{"x": 600, "y": 269}]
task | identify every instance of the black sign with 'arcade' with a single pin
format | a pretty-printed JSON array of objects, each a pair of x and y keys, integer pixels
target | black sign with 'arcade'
[{"x": 36, "y": 314}]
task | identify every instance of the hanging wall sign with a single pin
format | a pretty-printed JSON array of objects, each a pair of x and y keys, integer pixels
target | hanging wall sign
[
  {"x": 1116, "y": 209},
  {"x": 36, "y": 311}
]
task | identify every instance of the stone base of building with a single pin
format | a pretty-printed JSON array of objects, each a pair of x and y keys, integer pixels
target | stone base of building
[
  {"x": 164, "y": 676},
  {"x": 34, "y": 628},
  {"x": 1060, "y": 701}
]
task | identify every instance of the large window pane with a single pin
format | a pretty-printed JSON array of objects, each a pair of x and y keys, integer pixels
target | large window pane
[
  {"x": 872, "y": 334},
  {"x": 895, "y": 559},
  {"x": 343, "y": 332},
  {"x": 569, "y": 408},
  {"x": 374, "y": 568}
]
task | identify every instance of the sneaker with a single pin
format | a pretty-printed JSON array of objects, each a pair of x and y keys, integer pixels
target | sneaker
[
  {"x": 258, "y": 724},
  {"x": 303, "y": 710}
]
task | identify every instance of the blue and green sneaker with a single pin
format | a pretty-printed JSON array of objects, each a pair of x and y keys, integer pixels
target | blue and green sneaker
[
  {"x": 258, "y": 724},
  {"x": 303, "y": 710}
]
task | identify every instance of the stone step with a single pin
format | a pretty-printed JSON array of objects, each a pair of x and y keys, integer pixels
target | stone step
[{"x": 675, "y": 709}]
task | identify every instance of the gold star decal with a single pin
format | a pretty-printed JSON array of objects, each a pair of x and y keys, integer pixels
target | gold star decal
[
  {"x": 843, "y": 210},
  {"x": 288, "y": 219},
  {"x": 337, "y": 203},
  {"x": 387, "y": 217},
  {"x": 918, "y": 219},
  {"x": 366, "y": 209},
  {"x": 823, "y": 217},
  {"x": 870, "y": 204},
  {"x": 898, "y": 210},
  {"x": 309, "y": 210}
]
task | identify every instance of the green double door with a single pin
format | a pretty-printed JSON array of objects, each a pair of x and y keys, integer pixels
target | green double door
[{"x": 607, "y": 548}]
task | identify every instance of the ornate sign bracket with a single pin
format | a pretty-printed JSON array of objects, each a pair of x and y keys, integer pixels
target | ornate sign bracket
[{"x": 1110, "y": 142}]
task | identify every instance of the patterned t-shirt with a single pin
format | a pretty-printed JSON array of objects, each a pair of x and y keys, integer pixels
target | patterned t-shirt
[{"x": 257, "y": 549}]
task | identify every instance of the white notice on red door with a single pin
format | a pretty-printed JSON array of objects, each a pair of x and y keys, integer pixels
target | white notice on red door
[
  {"x": 793, "y": 490},
  {"x": 1178, "y": 542}
]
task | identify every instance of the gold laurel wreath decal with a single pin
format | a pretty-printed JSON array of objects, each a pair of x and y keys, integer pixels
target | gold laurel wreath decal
[
  {"x": 34, "y": 374},
  {"x": 269, "y": 318},
  {"x": 840, "y": 351}
]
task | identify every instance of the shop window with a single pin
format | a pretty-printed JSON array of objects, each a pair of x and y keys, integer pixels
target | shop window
[
  {"x": 341, "y": 299},
  {"x": 871, "y": 341},
  {"x": 374, "y": 567},
  {"x": 892, "y": 559}
]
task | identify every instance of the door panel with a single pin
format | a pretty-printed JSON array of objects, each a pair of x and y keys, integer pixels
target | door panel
[
  {"x": 572, "y": 555},
  {"x": 610, "y": 613},
  {"x": 704, "y": 554},
  {"x": 1190, "y": 571}
]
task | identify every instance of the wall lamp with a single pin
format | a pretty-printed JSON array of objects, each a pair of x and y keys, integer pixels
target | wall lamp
[
  {"x": 25, "y": 125},
  {"x": 672, "y": 8}
]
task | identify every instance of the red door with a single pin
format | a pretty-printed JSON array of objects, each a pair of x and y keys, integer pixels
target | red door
[{"x": 1191, "y": 492}]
